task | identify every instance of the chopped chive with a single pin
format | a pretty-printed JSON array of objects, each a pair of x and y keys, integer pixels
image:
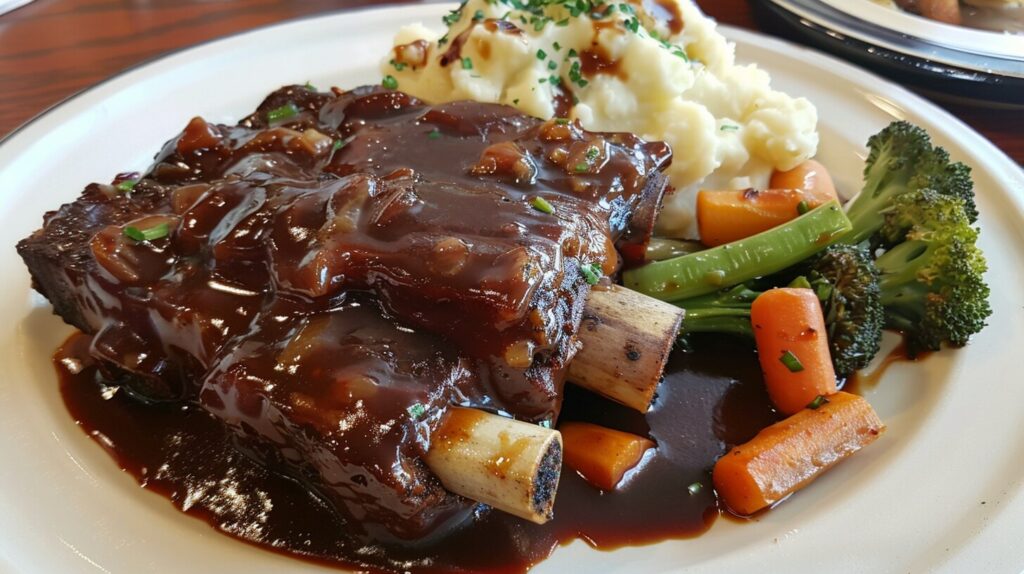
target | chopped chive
[
  {"x": 542, "y": 205},
  {"x": 802, "y": 207},
  {"x": 729, "y": 128},
  {"x": 148, "y": 234},
  {"x": 398, "y": 65},
  {"x": 282, "y": 113},
  {"x": 515, "y": 102},
  {"x": 417, "y": 410},
  {"x": 572, "y": 53},
  {"x": 562, "y": 23},
  {"x": 632, "y": 24},
  {"x": 680, "y": 54},
  {"x": 800, "y": 282},
  {"x": 581, "y": 167},
  {"x": 791, "y": 362},
  {"x": 552, "y": 65},
  {"x": 467, "y": 64},
  {"x": 434, "y": 134},
  {"x": 478, "y": 15},
  {"x": 452, "y": 17},
  {"x": 555, "y": 80},
  {"x": 817, "y": 402},
  {"x": 338, "y": 144},
  {"x": 309, "y": 86},
  {"x": 389, "y": 82},
  {"x": 592, "y": 153},
  {"x": 562, "y": 121},
  {"x": 694, "y": 488},
  {"x": 127, "y": 185},
  {"x": 556, "y": 46},
  {"x": 591, "y": 273},
  {"x": 541, "y": 54}
]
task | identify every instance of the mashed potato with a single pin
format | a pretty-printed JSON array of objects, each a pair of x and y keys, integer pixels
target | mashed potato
[{"x": 618, "y": 67}]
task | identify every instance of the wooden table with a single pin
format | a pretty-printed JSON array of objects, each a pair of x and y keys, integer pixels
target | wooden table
[{"x": 51, "y": 49}]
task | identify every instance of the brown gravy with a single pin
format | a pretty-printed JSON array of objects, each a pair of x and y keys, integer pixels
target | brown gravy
[{"x": 712, "y": 398}]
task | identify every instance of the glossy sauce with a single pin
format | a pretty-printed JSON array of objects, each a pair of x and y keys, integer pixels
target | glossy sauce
[{"x": 712, "y": 398}]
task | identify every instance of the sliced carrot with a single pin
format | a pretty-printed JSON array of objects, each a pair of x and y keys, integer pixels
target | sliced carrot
[
  {"x": 725, "y": 216},
  {"x": 792, "y": 346},
  {"x": 601, "y": 455},
  {"x": 811, "y": 178},
  {"x": 790, "y": 454}
]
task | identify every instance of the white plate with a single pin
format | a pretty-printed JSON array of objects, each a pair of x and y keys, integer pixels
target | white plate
[
  {"x": 959, "y": 37},
  {"x": 941, "y": 492}
]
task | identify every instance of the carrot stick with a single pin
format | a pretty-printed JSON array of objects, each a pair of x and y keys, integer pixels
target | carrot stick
[
  {"x": 790, "y": 454},
  {"x": 792, "y": 346},
  {"x": 811, "y": 178},
  {"x": 601, "y": 455},
  {"x": 725, "y": 216}
]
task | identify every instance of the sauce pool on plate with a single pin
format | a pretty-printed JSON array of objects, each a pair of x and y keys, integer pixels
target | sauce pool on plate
[{"x": 712, "y": 398}]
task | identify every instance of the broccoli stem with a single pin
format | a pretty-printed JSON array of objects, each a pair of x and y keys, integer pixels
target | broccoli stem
[{"x": 733, "y": 263}]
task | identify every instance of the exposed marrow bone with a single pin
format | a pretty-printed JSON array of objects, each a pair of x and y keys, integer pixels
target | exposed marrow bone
[
  {"x": 626, "y": 338},
  {"x": 508, "y": 464}
]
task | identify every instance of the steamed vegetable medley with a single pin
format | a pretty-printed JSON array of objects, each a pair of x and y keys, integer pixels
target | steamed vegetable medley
[{"x": 814, "y": 283}]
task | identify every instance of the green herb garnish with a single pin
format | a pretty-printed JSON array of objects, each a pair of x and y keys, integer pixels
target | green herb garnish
[
  {"x": 729, "y": 128},
  {"x": 467, "y": 64},
  {"x": 478, "y": 15},
  {"x": 591, "y": 273},
  {"x": 541, "y": 54},
  {"x": 791, "y": 362},
  {"x": 127, "y": 185},
  {"x": 398, "y": 65},
  {"x": 452, "y": 17},
  {"x": 389, "y": 82},
  {"x": 435, "y": 134},
  {"x": 542, "y": 205},
  {"x": 817, "y": 402},
  {"x": 338, "y": 144},
  {"x": 694, "y": 488},
  {"x": 802, "y": 207},
  {"x": 417, "y": 410},
  {"x": 148, "y": 234},
  {"x": 283, "y": 113}
]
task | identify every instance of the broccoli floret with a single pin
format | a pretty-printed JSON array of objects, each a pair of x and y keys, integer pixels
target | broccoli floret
[
  {"x": 902, "y": 160},
  {"x": 932, "y": 284},
  {"x": 845, "y": 280}
]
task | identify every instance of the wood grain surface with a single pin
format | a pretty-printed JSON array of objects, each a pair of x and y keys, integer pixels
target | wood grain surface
[{"x": 51, "y": 49}]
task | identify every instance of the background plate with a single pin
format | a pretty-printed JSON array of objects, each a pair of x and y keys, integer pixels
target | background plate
[
  {"x": 951, "y": 61},
  {"x": 941, "y": 491}
]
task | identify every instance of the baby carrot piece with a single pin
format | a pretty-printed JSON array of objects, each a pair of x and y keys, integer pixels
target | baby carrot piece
[
  {"x": 792, "y": 346},
  {"x": 601, "y": 455},
  {"x": 790, "y": 454},
  {"x": 725, "y": 216},
  {"x": 811, "y": 178}
]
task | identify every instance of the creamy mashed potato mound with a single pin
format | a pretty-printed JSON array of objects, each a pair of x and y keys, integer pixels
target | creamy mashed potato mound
[{"x": 657, "y": 69}]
